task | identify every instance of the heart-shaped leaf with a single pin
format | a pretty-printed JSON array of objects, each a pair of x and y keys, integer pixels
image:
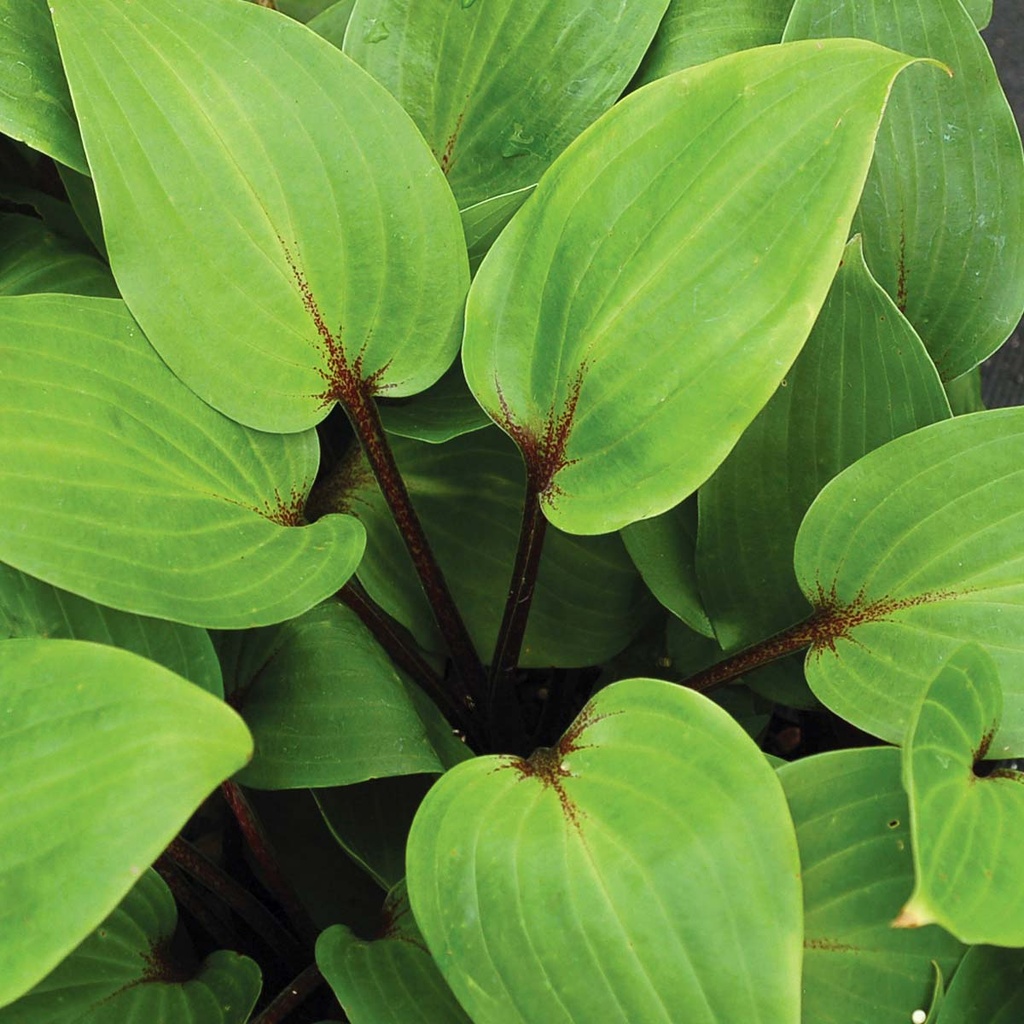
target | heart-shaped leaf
[
  {"x": 33, "y": 259},
  {"x": 853, "y": 830},
  {"x": 35, "y": 105},
  {"x": 119, "y": 484},
  {"x": 967, "y": 831},
  {"x": 751, "y": 509},
  {"x": 986, "y": 988},
  {"x": 31, "y": 608},
  {"x": 578, "y": 885},
  {"x": 909, "y": 553},
  {"x": 943, "y": 208},
  {"x": 625, "y": 328},
  {"x": 273, "y": 218},
  {"x": 104, "y": 756},
  {"x": 392, "y": 980},
  {"x": 696, "y": 31},
  {"x": 499, "y": 89},
  {"x": 126, "y": 970},
  {"x": 325, "y": 704}
]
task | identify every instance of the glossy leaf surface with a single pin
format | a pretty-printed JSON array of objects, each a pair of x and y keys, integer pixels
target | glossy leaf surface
[
  {"x": 325, "y": 704},
  {"x": 35, "y": 106},
  {"x": 577, "y": 886},
  {"x": 33, "y": 259},
  {"x": 853, "y": 828},
  {"x": 126, "y": 971},
  {"x": 499, "y": 89},
  {"x": 967, "y": 830},
  {"x": 31, "y": 608},
  {"x": 273, "y": 219},
  {"x": 392, "y": 980},
  {"x": 862, "y": 379},
  {"x": 664, "y": 549},
  {"x": 695, "y": 31},
  {"x": 119, "y": 484},
  {"x": 986, "y": 989},
  {"x": 909, "y": 553},
  {"x": 588, "y": 602},
  {"x": 119, "y": 752},
  {"x": 943, "y": 208},
  {"x": 625, "y": 328}
]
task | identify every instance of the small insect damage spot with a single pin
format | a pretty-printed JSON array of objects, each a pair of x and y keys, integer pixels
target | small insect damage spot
[
  {"x": 447, "y": 158},
  {"x": 830, "y": 945},
  {"x": 833, "y": 620},
  {"x": 550, "y": 765},
  {"x": 344, "y": 382},
  {"x": 544, "y": 450}
]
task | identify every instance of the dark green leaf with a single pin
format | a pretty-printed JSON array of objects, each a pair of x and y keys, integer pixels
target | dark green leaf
[
  {"x": 126, "y": 971},
  {"x": 104, "y": 757},
  {"x": 943, "y": 208},
  {"x": 499, "y": 89},
  {"x": 446, "y": 410},
  {"x": 987, "y": 988}
]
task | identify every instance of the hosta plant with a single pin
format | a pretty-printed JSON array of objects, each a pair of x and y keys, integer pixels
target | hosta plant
[{"x": 497, "y": 520}]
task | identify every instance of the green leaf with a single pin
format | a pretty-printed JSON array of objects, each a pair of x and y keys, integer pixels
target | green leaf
[
  {"x": 853, "y": 828},
  {"x": 909, "y": 553},
  {"x": 588, "y": 602},
  {"x": 33, "y": 259},
  {"x": 484, "y": 221},
  {"x": 664, "y": 549},
  {"x": 126, "y": 970},
  {"x": 446, "y": 410},
  {"x": 392, "y": 980},
  {"x": 371, "y": 821},
  {"x": 943, "y": 208},
  {"x": 325, "y": 704},
  {"x": 578, "y": 885},
  {"x": 104, "y": 757},
  {"x": 119, "y": 484},
  {"x": 274, "y": 220},
  {"x": 82, "y": 195},
  {"x": 964, "y": 393},
  {"x": 967, "y": 831},
  {"x": 499, "y": 90},
  {"x": 35, "y": 106},
  {"x": 624, "y": 328},
  {"x": 302, "y": 10},
  {"x": 332, "y": 21},
  {"x": 980, "y": 12},
  {"x": 695, "y": 31},
  {"x": 986, "y": 988},
  {"x": 862, "y": 362},
  {"x": 31, "y": 608}
]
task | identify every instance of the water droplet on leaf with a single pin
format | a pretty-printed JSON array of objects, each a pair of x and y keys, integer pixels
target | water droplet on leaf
[{"x": 376, "y": 32}]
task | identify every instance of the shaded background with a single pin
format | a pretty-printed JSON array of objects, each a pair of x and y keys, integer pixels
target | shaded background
[{"x": 1002, "y": 376}]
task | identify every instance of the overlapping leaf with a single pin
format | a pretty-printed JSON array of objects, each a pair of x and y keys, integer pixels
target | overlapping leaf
[
  {"x": 497, "y": 88},
  {"x": 31, "y": 608},
  {"x": 986, "y": 988},
  {"x": 33, "y": 259},
  {"x": 325, "y": 704},
  {"x": 943, "y": 208},
  {"x": 644, "y": 304},
  {"x": 695, "y": 31},
  {"x": 853, "y": 829},
  {"x": 392, "y": 980},
  {"x": 966, "y": 830},
  {"x": 578, "y": 885},
  {"x": 588, "y": 600},
  {"x": 119, "y": 484},
  {"x": 125, "y": 970},
  {"x": 35, "y": 106},
  {"x": 862, "y": 379},
  {"x": 909, "y": 553},
  {"x": 442, "y": 412},
  {"x": 104, "y": 756},
  {"x": 273, "y": 218}
]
